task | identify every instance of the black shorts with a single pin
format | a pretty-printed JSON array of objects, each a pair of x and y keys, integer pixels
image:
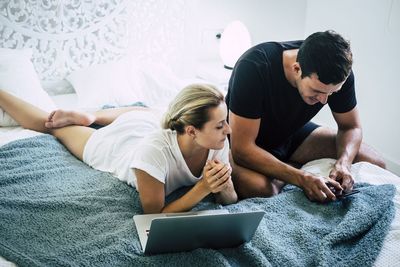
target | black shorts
[{"x": 285, "y": 151}]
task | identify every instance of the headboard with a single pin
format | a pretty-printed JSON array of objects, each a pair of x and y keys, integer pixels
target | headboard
[{"x": 70, "y": 35}]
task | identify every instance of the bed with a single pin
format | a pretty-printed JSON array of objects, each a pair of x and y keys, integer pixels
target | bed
[{"x": 56, "y": 211}]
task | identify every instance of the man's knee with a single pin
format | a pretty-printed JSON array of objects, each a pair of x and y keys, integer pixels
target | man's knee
[
  {"x": 260, "y": 186},
  {"x": 379, "y": 161},
  {"x": 250, "y": 183},
  {"x": 368, "y": 154}
]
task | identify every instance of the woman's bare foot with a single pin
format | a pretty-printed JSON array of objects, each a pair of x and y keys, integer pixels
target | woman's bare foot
[{"x": 60, "y": 118}]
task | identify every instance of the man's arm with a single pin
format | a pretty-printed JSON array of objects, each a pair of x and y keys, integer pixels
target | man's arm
[
  {"x": 348, "y": 141},
  {"x": 246, "y": 153}
]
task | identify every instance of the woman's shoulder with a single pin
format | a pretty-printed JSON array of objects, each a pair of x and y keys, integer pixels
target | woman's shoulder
[
  {"x": 160, "y": 145},
  {"x": 162, "y": 138}
]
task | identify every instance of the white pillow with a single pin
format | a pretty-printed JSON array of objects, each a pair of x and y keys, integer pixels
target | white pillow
[
  {"x": 160, "y": 82},
  {"x": 18, "y": 77},
  {"x": 66, "y": 101},
  {"x": 105, "y": 84}
]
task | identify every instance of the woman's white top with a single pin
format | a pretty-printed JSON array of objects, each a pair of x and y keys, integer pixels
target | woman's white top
[{"x": 136, "y": 140}]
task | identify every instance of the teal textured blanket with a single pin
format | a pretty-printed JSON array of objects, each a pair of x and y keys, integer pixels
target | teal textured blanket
[{"x": 57, "y": 211}]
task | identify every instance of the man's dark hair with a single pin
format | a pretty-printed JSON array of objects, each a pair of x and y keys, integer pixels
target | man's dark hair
[{"x": 326, "y": 54}]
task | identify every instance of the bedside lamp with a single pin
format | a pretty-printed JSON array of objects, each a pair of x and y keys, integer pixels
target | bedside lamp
[{"x": 235, "y": 40}]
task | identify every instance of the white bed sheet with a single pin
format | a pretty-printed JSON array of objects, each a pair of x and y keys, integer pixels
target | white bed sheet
[{"x": 9, "y": 134}]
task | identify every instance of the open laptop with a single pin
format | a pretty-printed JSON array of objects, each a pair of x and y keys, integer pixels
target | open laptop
[{"x": 176, "y": 232}]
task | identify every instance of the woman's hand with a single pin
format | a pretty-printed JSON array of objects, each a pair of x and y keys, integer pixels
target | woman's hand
[
  {"x": 227, "y": 194},
  {"x": 216, "y": 176}
]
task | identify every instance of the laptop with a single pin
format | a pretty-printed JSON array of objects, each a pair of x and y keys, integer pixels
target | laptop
[{"x": 185, "y": 231}]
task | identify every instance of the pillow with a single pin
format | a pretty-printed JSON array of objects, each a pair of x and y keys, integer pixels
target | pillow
[
  {"x": 160, "y": 82},
  {"x": 18, "y": 77},
  {"x": 66, "y": 101},
  {"x": 105, "y": 84}
]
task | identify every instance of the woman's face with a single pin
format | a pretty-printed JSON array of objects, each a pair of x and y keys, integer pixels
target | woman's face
[{"x": 214, "y": 132}]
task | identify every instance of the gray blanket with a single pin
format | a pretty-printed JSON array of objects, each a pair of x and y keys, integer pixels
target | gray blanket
[{"x": 56, "y": 211}]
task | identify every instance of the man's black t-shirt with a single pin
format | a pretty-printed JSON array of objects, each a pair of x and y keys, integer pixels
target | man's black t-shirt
[{"x": 258, "y": 89}]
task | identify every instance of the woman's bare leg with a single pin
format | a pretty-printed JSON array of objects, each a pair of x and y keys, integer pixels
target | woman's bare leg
[
  {"x": 74, "y": 138},
  {"x": 107, "y": 116},
  {"x": 26, "y": 114},
  {"x": 61, "y": 118}
]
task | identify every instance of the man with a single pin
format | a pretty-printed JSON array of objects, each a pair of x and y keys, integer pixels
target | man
[{"x": 274, "y": 91}]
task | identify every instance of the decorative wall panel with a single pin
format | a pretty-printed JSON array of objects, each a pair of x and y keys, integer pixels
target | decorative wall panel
[{"x": 74, "y": 34}]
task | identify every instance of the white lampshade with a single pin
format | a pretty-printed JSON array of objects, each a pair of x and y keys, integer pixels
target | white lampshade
[{"x": 235, "y": 40}]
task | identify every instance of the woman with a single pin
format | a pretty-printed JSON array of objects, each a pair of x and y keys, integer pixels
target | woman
[{"x": 192, "y": 149}]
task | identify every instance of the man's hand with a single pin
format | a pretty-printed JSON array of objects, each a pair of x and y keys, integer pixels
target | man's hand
[
  {"x": 316, "y": 189},
  {"x": 341, "y": 173}
]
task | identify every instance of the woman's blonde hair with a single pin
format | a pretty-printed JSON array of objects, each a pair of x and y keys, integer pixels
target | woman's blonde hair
[{"x": 191, "y": 106}]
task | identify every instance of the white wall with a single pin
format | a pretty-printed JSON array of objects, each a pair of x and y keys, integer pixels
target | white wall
[
  {"x": 265, "y": 19},
  {"x": 373, "y": 28}
]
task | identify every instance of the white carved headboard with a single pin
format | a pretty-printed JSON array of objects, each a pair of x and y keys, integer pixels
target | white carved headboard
[{"x": 70, "y": 35}]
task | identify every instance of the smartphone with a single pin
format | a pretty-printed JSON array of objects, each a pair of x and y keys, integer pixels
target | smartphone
[
  {"x": 341, "y": 196},
  {"x": 344, "y": 195}
]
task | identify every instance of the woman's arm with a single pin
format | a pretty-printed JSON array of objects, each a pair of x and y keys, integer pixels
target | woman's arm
[
  {"x": 152, "y": 193},
  {"x": 228, "y": 194}
]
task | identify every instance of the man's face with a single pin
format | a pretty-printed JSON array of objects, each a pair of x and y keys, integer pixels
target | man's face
[{"x": 313, "y": 91}]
